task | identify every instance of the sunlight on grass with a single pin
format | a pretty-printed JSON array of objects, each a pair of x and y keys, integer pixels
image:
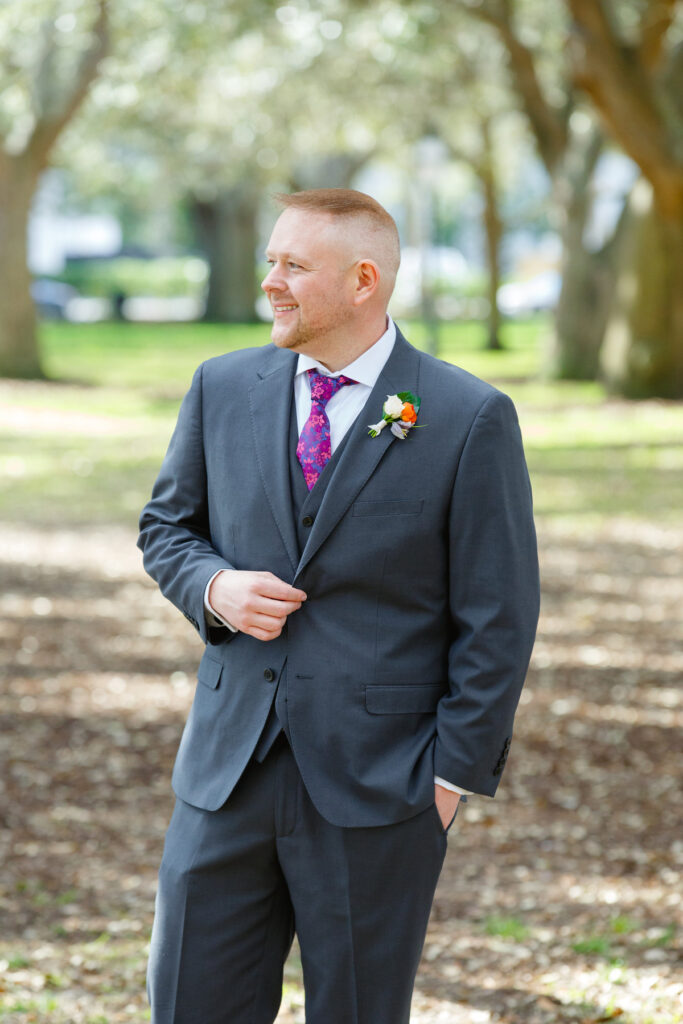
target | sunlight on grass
[
  {"x": 156, "y": 357},
  {"x": 87, "y": 448},
  {"x": 162, "y": 357}
]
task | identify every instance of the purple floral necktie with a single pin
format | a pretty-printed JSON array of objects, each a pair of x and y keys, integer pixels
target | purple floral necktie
[{"x": 314, "y": 449}]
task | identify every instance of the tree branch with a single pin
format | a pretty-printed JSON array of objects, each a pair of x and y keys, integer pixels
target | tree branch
[
  {"x": 49, "y": 126},
  {"x": 548, "y": 125},
  {"x": 623, "y": 93},
  {"x": 654, "y": 24}
]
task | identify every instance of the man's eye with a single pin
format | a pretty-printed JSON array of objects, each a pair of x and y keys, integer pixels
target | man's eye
[{"x": 293, "y": 266}]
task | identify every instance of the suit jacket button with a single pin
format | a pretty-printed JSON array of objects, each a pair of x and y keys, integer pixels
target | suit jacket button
[
  {"x": 269, "y": 675},
  {"x": 307, "y": 521}
]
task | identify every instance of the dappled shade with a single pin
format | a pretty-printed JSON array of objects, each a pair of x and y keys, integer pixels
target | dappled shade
[{"x": 558, "y": 900}]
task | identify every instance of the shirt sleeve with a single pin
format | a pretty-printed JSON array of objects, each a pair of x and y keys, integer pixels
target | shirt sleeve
[
  {"x": 211, "y": 617},
  {"x": 453, "y": 788}
]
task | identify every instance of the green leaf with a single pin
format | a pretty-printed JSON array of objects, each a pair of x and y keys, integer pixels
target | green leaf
[{"x": 408, "y": 396}]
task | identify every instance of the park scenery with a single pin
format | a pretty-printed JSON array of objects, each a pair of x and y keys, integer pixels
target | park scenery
[{"x": 529, "y": 151}]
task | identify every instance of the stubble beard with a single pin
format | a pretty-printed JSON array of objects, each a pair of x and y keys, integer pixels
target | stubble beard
[
  {"x": 295, "y": 338},
  {"x": 302, "y": 334}
]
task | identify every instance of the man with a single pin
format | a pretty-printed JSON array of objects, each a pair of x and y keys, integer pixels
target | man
[{"x": 347, "y": 523}]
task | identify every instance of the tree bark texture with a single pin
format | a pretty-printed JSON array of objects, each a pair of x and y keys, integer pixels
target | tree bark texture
[
  {"x": 573, "y": 349},
  {"x": 642, "y": 354},
  {"x": 634, "y": 88},
  {"x": 493, "y": 230},
  {"x": 19, "y": 352},
  {"x": 55, "y": 105},
  {"x": 227, "y": 230},
  {"x": 629, "y": 97},
  {"x": 548, "y": 124},
  {"x": 569, "y": 160}
]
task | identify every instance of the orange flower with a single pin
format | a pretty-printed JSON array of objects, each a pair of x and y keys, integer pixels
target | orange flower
[{"x": 408, "y": 414}]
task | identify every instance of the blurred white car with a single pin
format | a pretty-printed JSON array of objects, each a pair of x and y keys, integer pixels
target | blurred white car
[
  {"x": 538, "y": 294},
  {"x": 52, "y": 298}
]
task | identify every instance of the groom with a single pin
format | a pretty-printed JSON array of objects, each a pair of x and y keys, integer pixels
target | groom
[{"x": 368, "y": 599}]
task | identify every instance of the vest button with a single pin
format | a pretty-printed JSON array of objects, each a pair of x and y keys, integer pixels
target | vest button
[
  {"x": 269, "y": 675},
  {"x": 307, "y": 521}
]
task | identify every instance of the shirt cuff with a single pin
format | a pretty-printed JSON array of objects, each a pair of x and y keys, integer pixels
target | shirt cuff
[
  {"x": 212, "y": 618},
  {"x": 449, "y": 785}
]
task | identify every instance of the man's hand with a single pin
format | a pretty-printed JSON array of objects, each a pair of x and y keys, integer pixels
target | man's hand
[
  {"x": 446, "y": 804},
  {"x": 256, "y": 603}
]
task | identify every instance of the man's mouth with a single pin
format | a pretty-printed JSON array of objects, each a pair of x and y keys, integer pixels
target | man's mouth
[{"x": 279, "y": 309}]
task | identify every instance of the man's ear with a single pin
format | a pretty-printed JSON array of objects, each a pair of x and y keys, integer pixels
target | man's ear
[{"x": 367, "y": 280}]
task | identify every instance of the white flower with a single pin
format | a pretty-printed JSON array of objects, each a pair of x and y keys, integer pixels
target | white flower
[
  {"x": 393, "y": 406},
  {"x": 393, "y": 416}
]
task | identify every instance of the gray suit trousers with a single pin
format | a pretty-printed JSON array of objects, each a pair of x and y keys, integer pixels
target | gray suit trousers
[{"x": 236, "y": 883}]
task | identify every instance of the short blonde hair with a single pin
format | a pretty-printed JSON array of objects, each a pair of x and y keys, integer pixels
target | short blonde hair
[{"x": 348, "y": 203}]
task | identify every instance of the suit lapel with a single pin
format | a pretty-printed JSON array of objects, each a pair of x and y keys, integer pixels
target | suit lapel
[
  {"x": 270, "y": 400},
  {"x": 362, "y": 453}
]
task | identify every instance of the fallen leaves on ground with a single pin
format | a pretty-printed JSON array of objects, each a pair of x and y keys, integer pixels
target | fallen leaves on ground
[{"x": 559, "y": 901}]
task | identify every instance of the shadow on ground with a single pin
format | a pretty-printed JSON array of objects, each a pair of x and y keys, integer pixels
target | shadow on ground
[{"x": 559, "y": 900}]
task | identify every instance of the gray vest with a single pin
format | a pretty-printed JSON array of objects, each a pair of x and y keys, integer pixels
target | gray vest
[{"x": 305, "y": 504}]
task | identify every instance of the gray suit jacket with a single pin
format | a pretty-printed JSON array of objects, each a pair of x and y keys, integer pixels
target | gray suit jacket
[{"x": 408, "y": 658}]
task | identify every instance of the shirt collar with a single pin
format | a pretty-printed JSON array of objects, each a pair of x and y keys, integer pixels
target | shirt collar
[{"x": 366, "y": 368}]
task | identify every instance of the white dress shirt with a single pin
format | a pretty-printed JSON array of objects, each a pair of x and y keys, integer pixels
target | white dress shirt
[
  {"x": 344, "y": 406},
  {"x": 342, "y": 411}
]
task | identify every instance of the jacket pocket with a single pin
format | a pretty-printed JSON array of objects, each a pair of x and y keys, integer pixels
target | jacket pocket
[
  {"x": 209, "y": 672},
  {"x": 403, "y": 700},
  {"x": 402, "y": 507}
]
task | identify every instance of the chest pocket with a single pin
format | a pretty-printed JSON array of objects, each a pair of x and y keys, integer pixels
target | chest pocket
[{"x": 401, "y": 507}]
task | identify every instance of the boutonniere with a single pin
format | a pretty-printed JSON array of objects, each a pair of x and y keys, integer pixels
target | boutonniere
[{"x": 400, "y": 412}]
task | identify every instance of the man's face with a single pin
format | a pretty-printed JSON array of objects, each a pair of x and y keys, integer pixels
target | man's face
[{"x": 310, "y": 282}]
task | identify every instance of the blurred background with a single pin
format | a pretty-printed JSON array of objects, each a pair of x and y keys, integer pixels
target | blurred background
[{"x": 531, "y": 154}]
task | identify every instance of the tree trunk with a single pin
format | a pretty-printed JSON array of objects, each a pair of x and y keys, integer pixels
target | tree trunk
[
  {"x": 581, "y": 315},
  {"x": 53, "y": 107},
  {"x": 333, "y": 170},
  {"x": 493, "y": 228},
  {"x": 643, "y": 350},
  {"x": 573, "y": 351},
  {"x": 227, "y": 229},
  {"x": 19, "y": 352}
]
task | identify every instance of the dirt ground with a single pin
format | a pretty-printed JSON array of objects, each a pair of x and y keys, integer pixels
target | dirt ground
[{"x": 559, "y": 901}]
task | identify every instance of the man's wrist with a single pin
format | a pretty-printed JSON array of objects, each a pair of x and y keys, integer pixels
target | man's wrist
[
  {"x": 212, "y": 617},
  {"x": 438, "y": 781}
]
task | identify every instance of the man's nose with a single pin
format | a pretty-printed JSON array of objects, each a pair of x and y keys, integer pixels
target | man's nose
[{"x": 271, "y": 281}]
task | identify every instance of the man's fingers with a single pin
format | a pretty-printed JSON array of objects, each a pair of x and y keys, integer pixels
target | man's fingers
[
  {"x": 253, "y": 601},
  {"x": 264, "y": 629},
  {"x": 262, "y": 634},
  {"x": 267, "y": 622},
  {"x": 269, "y": 585},
  {"x": 267, "y": 606}
]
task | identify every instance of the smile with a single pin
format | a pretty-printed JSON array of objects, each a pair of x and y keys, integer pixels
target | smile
[{"x": 283, "y": 309}]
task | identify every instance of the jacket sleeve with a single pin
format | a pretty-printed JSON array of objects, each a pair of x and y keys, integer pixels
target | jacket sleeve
[
  {"x": 174, "y": 525},
  {"x": 494, "y": 596}
]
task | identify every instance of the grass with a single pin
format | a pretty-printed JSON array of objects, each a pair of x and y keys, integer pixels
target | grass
[
  {"x": 623, "y": 932},
  {"x": 86, "y": 449},
  {"x": 154, "y": 357},
  {"x": 506, "y": 928},
  {"x": 593, "y": 945},
  {"x": 160, "y": 358}
]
